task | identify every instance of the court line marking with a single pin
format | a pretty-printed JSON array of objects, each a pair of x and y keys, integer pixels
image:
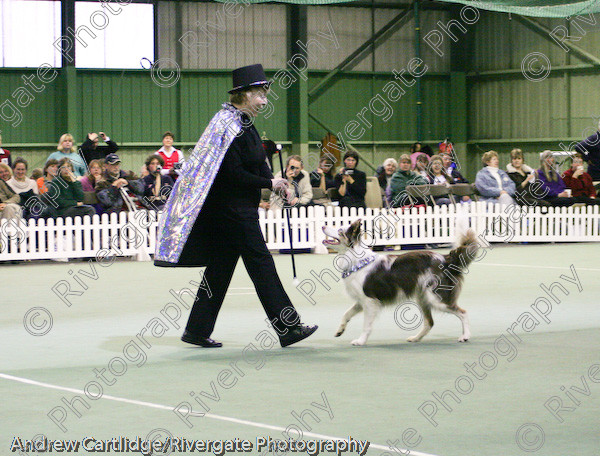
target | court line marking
[
  {"x": 538, "y": 267},
  {"x": 207, "y": 415}
]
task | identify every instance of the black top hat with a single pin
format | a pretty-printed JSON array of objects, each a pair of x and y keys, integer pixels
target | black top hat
[{"x": 249, "y": 76}]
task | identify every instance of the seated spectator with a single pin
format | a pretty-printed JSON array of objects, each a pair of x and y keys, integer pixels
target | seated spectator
[
  {"x": 9, "y": 202},
  {"x": 553, "y": 187},
  {"x": 351, "y": 183},
  {"x": 578, "y": 180},
  {"x": 172, "y": 158},
  {"x": 451, "y": 169},
  {"x": 4, "y": 155},
  {"x": 323, "y": 177},
  {"x": 415, "y": 152},
  {"x": 523, "y": 176},
  {"x": 5, "y": 172},
  {"x": 298, "y": 183},
  {"x": 589, "y": 149},
  {"x": 157, "y": 187},
  {"x": 36, "y": 174},
  {"x": 88, "y": 182},
  {"x": 92, "y": 151},
  {"x": 66, "y": 149},
  {"x": 396, "y": 192},
  {"x": 108, "y": 189},
  {"x": 390, "y": 165},
  {"x": 50, "y": 171},
  {"x": 492, "y": 183},
  {"x": 26, "y": 188},
  {"x": 438, "y": 176},
  {"x": 68, "y": 193},
  {"x": 421, "y": 166}
]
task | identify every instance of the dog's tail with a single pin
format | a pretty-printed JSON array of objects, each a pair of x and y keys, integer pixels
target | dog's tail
[{"x": 464, "y": 251}]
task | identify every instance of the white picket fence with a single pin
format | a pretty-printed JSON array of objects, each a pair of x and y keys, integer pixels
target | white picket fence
[{"x": 134, "y": 234}]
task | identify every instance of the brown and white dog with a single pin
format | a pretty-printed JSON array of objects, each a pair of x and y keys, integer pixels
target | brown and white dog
[{"x": 374, "y": 281}]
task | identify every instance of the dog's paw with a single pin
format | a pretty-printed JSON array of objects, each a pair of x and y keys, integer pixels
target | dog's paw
[
  {"x": 463, "y": 339},
  {"x": 358, "y": 342},
  {"x": 413, "y": 339},
  {"x": 340, "y": 331}
]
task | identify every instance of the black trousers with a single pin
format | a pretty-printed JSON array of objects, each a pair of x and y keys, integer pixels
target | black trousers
[{"x": 233, "y": 240}]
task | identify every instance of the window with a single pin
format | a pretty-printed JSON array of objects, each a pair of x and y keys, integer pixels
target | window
[
  {"x": 28, "y": 30},
  {"x": 110, "y": 35}
]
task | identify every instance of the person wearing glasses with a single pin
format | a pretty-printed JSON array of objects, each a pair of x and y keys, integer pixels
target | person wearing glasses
[
  {"x": 211, "y": 218},
  {"x": 298, "y": 181}
]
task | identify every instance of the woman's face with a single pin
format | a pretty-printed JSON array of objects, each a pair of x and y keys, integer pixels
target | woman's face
[
  {"x": 67, "y": 144},
  {"x": 493, "y": 162},
  {"x": 168, "y": 141},
  {"x": 404, "y": 165},
  {"x": 390, "y": 169},
  {"x": 96, "y": 170},
  {"x": 66, "y": 169},
  {"x": 421, "y": 164},
  {"x": 436, "y": 166},
  {"x": 577, "y": 162},
  {"x": 256, "y": 101},
  {"x": 20, "y": 170},
  {"x": 447, "y": 160},
  {"x": 153, "y": 165},
  {"x": 517, "y": 162},
  {"x": 52, "y": 170},
  {"x": 4, "y": 174},
  {"x": 350, "y": 162},
  {"x": 549, "y": 160},
  {"x": 325, "y": 165}
]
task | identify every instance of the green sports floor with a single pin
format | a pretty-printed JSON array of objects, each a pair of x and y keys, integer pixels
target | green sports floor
[{"x": 528, "y": 382}]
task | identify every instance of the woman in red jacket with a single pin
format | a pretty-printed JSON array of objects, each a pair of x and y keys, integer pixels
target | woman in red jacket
[{"x": 578, "y": 180}]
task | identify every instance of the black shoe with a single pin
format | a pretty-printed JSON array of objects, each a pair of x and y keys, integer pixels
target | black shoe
[
  {"x": 296, "y": 334},
  {"x": 206, "y": 342}
]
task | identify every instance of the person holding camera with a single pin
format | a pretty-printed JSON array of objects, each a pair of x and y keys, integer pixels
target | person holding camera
[
  {"x": 578, "y": 180},
  {"x": 157, "y": 187},
  {"x": 351, "y": 183},
  {"x": 67, "y": 193},
  {"x": 298, "y": 183},
  {"x": 92, "y": 151}
]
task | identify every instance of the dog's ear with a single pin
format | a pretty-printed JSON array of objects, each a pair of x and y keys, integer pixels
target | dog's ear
[{"x": 355, "y": 229}]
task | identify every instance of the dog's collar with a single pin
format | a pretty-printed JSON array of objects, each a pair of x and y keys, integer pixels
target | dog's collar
[{"x": 358, "y": 266}]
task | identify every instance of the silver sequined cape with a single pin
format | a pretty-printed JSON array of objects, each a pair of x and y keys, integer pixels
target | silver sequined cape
[{"x": 191, "y": 188}]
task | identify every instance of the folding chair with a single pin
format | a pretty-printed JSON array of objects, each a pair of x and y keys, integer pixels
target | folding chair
[{"x": 460, "y": 190}]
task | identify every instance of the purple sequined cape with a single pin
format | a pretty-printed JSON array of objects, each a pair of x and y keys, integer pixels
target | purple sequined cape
[{"x": 192, "y": 187}]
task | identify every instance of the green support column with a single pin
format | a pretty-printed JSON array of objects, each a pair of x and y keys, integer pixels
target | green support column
[
  {"x": 68, "y": 74},
  {"x": 298, "y": 92},
  {"x": 459, "y": 117},
  {"x": 458, "y": 127},
  {"x": 73, "y": 122}
]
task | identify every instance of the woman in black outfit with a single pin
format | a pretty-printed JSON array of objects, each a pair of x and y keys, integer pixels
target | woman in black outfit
[{"x": 351, "y": 183}]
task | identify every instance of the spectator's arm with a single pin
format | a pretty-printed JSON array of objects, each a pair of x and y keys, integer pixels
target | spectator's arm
[
  {"x": 572, "y": 182},
  {"x": 487, "y": 185},
  {"x": 111, "y": 147}
]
